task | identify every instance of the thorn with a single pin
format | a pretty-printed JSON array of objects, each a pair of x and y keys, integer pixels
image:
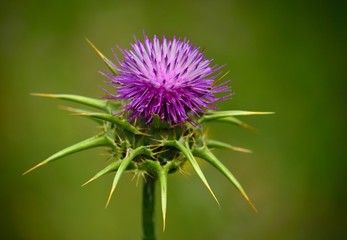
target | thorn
[
  {"x": 134, "y": 176},
  {"x": 162, "y": 151},
  {"x": 146, "y": 174},
  {"x": 214, "y": 196},
  {"x": 95, "y": 49},
  {"x": 157, "y": 140},
  {"x": 164, "y": 223},
  {"x": 263, "y": 113},
  {"x": 244, "y": 150},
  {"x": 142, "y": 133},
  {"x": 249, "y": 202},
  {"x": 37, "y": 166},
  {"x": 66, "y": 108},
  {"x": 138, "y": 176},
  {"x": 249, "y": 127},
  {"x": 108, "y": 62},
  {"x": 109, "y": 197},
  {"x": 90, "y": 180},
  {"x": 81, "y": 114},
  {"x": 42, "y": 95},
  {"x": 183, "y": 172}
]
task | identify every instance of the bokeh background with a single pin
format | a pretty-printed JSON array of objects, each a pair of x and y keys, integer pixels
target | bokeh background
[{"x": 283, "y": 56}]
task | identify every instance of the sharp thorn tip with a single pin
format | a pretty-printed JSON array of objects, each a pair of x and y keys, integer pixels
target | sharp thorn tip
[
  {"x": 33, "y": 168},
  {"x": 90, "y": 180},
  {"x": 109, "y": 197}
]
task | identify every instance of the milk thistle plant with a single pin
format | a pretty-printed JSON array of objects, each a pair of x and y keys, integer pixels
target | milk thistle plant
[{"x": 163, "y": 93}]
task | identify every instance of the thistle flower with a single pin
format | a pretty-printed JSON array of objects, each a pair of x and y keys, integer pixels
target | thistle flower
[
  {"x": 165, "y": 86},
  {"x": 168, "y": 78}
]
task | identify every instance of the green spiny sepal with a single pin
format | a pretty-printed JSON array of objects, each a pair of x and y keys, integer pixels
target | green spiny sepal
[{"x": 154, "y": 149}]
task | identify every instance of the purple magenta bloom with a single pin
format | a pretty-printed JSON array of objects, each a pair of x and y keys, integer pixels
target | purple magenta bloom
[{"x": 168, "y": 78}]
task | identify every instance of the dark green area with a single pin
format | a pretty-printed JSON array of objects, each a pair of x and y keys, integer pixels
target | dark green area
[
  {"x": 148, "y": 207},
  {"x": 283, "y": 56}
]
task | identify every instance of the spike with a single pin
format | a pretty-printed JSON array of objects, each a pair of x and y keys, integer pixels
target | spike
[
  {"x": 228, "y": 116},
  {"x": 73, "y": 110},
  {"x": 162, "y": 173},
  {"x": 163, "y": 187},
  {"x": 96, "y": 141},
  {"x": 233, "y": 113},
  {"x": 36, "y": 166},
  {"x": 92, "y": 102},
  {"x": 123, "y": 165},
  {"x": 233, "y": 120},
  {"x": 109, "y": 64},
  {"x": 218, "y": 144},
  {"x": 188, "y": 154},
  {"x": 77, "y": 111},
  {"x": 107, "y": 117},
  {"x": 109, "y": 168},
  {"x": 131, "y": 154},
  {"x": 236, "y": 121},
  {"x": 207, "y": 155},
  {"x": 198, "y": 170}
]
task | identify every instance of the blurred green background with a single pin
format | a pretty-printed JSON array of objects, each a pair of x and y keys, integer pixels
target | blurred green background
[{"x": 284, "y": 56}]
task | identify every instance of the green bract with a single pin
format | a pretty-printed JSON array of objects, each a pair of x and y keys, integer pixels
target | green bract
[{"x": 154, "y": 149}]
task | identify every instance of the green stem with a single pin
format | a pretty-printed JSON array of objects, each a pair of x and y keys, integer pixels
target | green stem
[{"x": 148, "y": 223}]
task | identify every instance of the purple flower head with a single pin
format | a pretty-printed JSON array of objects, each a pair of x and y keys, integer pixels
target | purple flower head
[{"x": 168, "y": 78}]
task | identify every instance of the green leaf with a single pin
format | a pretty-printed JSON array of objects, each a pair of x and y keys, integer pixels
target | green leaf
[
  {"x": 188, "y": 154},
  {"x": 109, "y": 168},
  {"x": 130, "y": 155},
  {"x": 218, "y": 144},
  {"x": 109, "y": 64},
  {"x": 96, "y": 141},
  {"x": 207, "y": 155},
  {"x": 92, "y": 102},
  {"x": 107, "y": 117}
]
